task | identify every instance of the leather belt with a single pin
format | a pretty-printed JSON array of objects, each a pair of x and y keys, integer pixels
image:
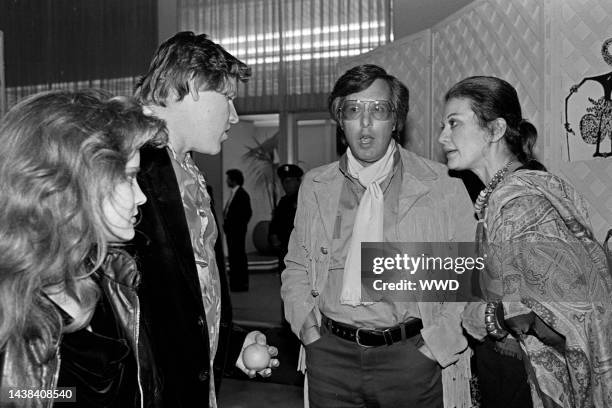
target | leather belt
[{"x": 374, "y": 337}]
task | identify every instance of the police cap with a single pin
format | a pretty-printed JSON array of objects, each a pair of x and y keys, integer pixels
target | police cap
[{"x": 289, "y": 170}]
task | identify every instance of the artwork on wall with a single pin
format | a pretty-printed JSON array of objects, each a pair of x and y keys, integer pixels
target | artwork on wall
[{"x": 595, "y": 124}]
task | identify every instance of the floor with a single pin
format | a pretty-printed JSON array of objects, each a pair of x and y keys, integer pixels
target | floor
[
  {"x": 260, "y": 308},
  {"x": 245, "y": 394}
]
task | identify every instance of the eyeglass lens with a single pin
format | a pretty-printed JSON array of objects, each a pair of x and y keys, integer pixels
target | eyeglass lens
[{"x": 353, "y": 109}]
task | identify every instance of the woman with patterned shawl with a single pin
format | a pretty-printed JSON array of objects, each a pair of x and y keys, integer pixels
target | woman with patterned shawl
[{"x": 546, "y": 288}]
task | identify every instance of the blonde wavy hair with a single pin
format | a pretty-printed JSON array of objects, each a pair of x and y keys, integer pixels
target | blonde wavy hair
[{"x": 61, "y": 154}]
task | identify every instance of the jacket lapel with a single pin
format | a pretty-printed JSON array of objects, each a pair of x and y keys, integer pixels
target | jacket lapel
[
  {"x": 417, "y": 179},
  {"x": 162, "y": 189}
]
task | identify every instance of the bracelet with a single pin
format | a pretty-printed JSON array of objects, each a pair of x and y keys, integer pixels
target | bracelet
[{"x": 494, "y": 329}]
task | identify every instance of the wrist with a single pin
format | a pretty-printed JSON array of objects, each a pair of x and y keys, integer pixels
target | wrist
[{"x": 492, "y": 320}]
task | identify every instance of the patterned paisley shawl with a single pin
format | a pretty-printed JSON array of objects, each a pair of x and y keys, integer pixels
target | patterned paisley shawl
[{"x": 542, "y": 257}]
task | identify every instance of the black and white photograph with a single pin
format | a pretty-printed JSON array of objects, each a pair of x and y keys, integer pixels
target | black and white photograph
[{"x": 306, "y": 203}]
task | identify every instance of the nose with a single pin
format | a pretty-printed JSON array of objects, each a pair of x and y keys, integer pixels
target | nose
[
  {"x": 139, "y": 197},
  {"x": 443, "y": 137},
  {"x": 366, "y": 118},
  {"x": 233, "y": 115}
]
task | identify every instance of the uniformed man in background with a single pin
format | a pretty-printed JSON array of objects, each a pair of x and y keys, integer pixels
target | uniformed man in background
[{"x": 282, "y": 220}]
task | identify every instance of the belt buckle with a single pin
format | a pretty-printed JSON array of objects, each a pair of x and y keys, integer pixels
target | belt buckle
[
  {"x": 387, "y": 336},
  {"x": 358, "y": 339}
]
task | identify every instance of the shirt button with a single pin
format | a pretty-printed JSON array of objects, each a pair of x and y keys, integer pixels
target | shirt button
[
  {"x": 203, "y": 375},
  {"x": 324, "y": 250},
  {"x": 314, "y": 293}
]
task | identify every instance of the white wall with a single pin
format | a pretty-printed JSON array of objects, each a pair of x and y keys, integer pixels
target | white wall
[
  {"x": 316, "y": 144},
  {"x": 240, "y": 136}
]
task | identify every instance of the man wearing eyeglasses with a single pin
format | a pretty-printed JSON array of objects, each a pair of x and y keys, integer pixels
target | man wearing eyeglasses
[{"x": 376, "y": 353}]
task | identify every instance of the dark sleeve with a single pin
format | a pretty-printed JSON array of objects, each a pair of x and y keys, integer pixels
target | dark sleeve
[
  {"x": 243, "y": 212},
  {"x": 274, "y": 223},
  {"x": 247, "y": 206},
  {"x": 235, "y": 345}
]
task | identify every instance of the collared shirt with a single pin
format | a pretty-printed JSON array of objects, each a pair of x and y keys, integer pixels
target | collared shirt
[
  {"x": 203, "y": 233},
  {"x": 384, "y": 313}
]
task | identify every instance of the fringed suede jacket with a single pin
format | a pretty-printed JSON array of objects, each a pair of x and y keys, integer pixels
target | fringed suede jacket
[{"x": 432, "y": 208}]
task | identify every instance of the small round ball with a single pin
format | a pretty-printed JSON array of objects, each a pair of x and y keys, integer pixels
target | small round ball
[{"x": 256, "y": 357}]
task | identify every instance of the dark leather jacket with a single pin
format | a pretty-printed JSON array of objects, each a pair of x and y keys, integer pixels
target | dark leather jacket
[{"x": 23, "y": 366}]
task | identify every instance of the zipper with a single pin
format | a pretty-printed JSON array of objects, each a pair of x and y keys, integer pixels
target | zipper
[
  {"x": 136, "y": 333},
  {"x": 56, "y": 375}
]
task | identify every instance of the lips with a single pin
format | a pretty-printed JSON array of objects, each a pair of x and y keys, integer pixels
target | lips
[{"x": 366, "y": 140}]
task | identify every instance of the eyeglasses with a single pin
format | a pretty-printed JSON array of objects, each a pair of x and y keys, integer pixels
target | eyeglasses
[{"x": 353, "y": 109}]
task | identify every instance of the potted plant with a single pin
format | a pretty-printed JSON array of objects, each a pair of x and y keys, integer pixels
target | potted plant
[{"x": 262, "y": 160}]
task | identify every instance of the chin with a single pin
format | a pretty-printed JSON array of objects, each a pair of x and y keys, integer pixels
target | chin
[
  {"x": 121, "y": 236},
  {"x": 210, "y": 150},
  {"x": 454, "y": 164},
  {"x": 370, "y": 158}
]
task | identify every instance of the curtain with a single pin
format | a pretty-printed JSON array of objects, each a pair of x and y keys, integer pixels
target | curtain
[
  {"x": 70, "y": 44},
  {"x": 292, "y": 46}
]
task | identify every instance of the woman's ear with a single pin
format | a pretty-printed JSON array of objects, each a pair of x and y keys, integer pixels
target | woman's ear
[{"x": 498, "y": 129}]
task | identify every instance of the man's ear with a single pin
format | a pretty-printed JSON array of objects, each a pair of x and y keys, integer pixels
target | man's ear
[{"x": 498, "y": 129}]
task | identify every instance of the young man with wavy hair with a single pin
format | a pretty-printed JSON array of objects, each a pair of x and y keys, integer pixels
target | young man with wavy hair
[{"x": 191, "y": 84}]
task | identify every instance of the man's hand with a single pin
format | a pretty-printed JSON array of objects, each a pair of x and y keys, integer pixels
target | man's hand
[
  {"x": 427, "y": 352},
  {"x": 258, "y": 337}
]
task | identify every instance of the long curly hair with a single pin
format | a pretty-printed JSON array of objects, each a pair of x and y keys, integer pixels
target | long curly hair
[{"x": 61, "y": 154}]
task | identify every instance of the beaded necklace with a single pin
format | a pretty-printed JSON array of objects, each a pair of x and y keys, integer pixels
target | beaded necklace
[{"x": 483, "y": 197}]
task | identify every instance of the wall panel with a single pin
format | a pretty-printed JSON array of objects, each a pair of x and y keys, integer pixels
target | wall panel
[{"x": 495, "y": 37}]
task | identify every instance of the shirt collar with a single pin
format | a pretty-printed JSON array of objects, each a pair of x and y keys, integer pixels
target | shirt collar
[{"x": 174, "y": 155}]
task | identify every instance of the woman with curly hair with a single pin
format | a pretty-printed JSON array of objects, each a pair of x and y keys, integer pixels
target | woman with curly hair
[{"x": 69, "y": 314}]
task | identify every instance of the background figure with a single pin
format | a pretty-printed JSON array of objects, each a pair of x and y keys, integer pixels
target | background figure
[
  {"x": 190, "y": 84},
  {"x": 236, "y": 215},
  {"x": 283, "y": 217},
  {"x": 547, "y": 290},
  {"x": 69, "y": 197},
  {"x": 284, "y": 214}
]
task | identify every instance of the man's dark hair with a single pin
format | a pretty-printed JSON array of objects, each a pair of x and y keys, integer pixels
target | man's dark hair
[
  {"x": 236, "y": 176},
  {"x": 360, "y": 78},
  {"x": 187, "y": 57}
]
